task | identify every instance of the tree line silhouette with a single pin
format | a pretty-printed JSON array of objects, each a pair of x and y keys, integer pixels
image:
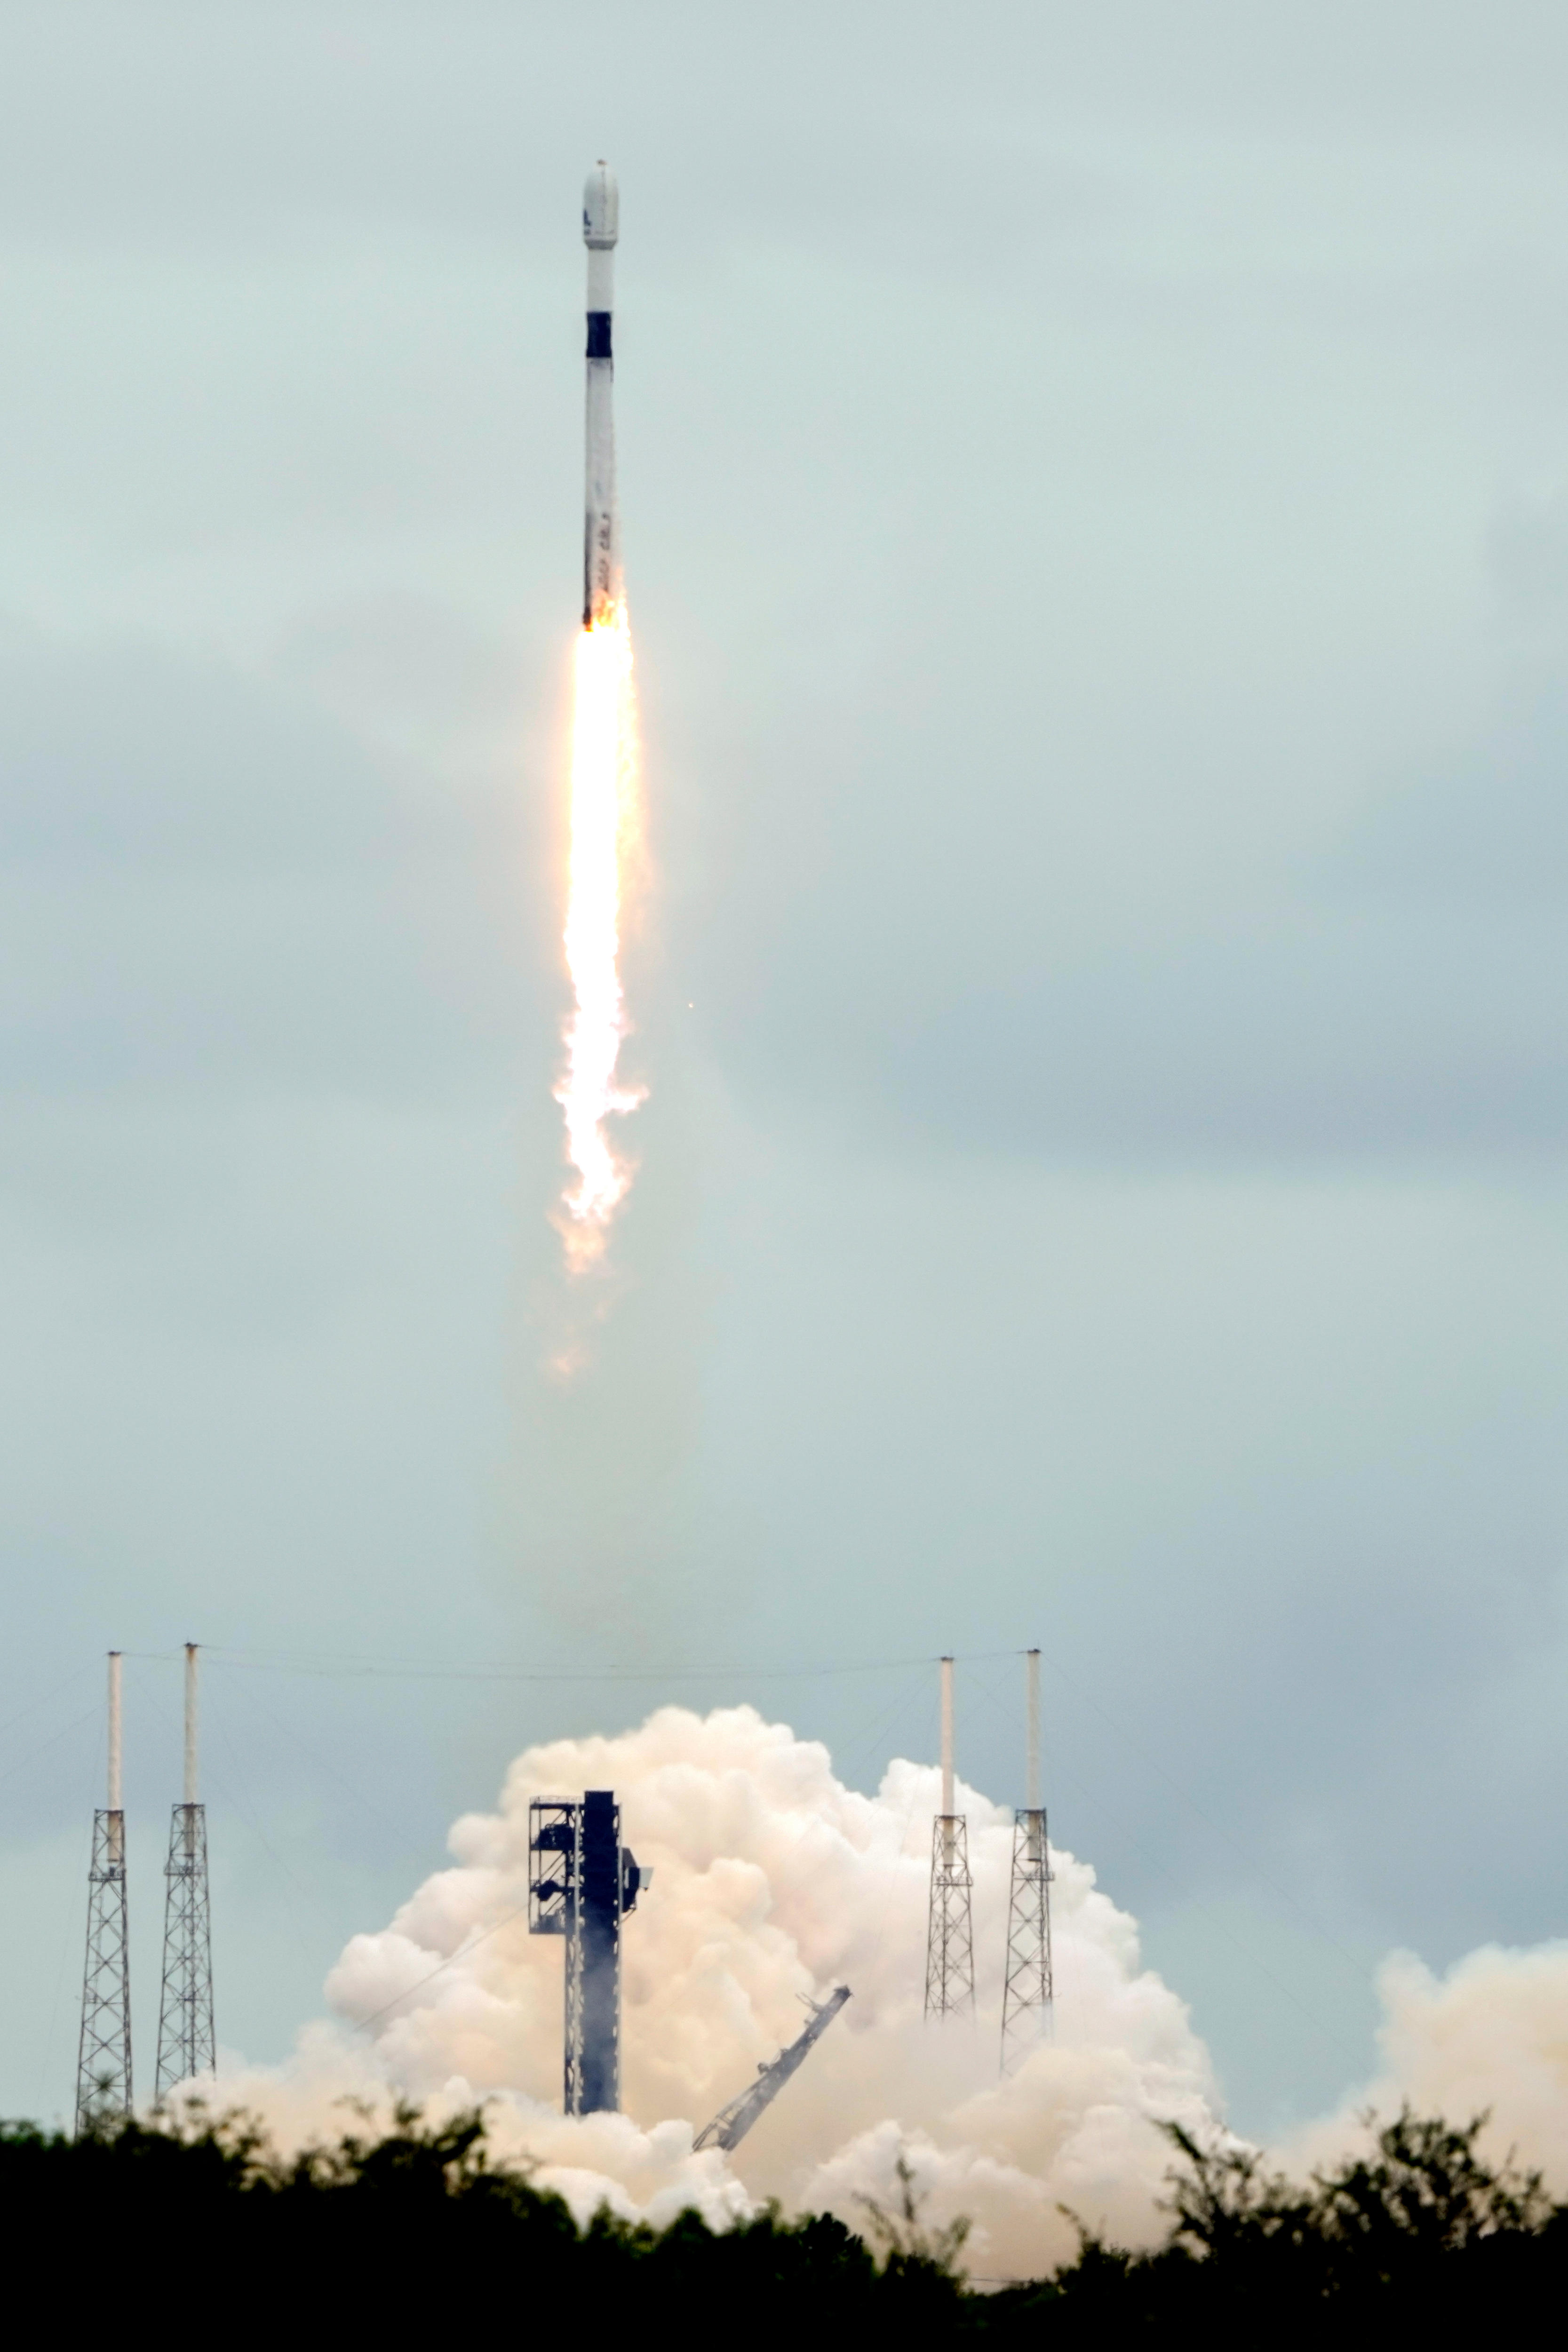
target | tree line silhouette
[{"x": 419, "y": 2228}]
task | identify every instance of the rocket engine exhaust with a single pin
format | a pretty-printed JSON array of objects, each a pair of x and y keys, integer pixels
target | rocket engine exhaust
[{"x": 604, "y": 789}]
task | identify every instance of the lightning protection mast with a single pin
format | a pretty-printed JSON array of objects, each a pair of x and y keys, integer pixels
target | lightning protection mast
[
  {"x": 950, "y": 1938},
  {"x": 103, "y": 2056},
  {"x": 186, "y": 2042},
  {"x": 1026, "y": 1998}
]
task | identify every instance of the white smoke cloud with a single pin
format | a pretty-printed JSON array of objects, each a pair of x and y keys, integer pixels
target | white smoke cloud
[
  {"x": 1488, "y": 2038},
  {"x": 773, "y": 1881}
]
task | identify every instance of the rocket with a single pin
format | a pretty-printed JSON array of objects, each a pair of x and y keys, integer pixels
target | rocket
[{"x": 601, "y": 529}]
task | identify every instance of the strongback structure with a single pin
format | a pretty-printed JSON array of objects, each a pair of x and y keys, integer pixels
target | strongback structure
[
  {"x": 581, "y": 1886},
  {"x": 949, "y": 1939},
  {"x": 1027, "y": 1996},
  {"x": 103, "y": 2088},
  {"x": 186, "y": 2042},
  {"x": 733, "y": 2121}
]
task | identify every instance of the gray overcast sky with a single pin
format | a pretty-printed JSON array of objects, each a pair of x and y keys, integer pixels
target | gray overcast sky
[{"x": 1096, "y": 504}]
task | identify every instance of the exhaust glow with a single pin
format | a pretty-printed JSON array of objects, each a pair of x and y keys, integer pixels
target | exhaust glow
[{"x": 603, "y": 832}]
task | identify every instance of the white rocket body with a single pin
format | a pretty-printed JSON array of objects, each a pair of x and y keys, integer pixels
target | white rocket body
[{"x": 601, "y": 533}]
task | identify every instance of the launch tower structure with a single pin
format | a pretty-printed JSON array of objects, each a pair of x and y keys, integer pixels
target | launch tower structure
[
  {"x": 583, "y": 1883},
  {"x": 103, "y": 2090},
  {"x": 1027, "y": 1994},
  {"x": 185, "y": 2041},
  {"x": 950, "y": 1936}
]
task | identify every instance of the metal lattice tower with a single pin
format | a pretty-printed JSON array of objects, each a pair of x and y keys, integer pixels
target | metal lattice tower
[
  {"x": 1026, "y": 1998},
  {"x": 584, "y": 1881},
  {"x": 185, "y": 2041},
  {"x": 103, "y": 2091},
  {"x": 950, "y": 1938}
]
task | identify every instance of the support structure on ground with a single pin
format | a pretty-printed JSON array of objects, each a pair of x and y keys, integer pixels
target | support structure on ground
[
  {"x": 949, "y": 1935},
  {"x": 103, "y": 2085},
  {"x": 735, "y": 2118},
  {"x": 1027, "y": 1994},
  {"x": 185, "y": 2041},
  {"x": 582, "y": 1883}
]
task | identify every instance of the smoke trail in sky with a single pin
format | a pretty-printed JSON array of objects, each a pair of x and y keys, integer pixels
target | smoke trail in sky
[{"x": 603, "y": 826}]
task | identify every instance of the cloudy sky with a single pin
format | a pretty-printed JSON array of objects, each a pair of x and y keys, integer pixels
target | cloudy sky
[{"x": 1096, "y": 509}]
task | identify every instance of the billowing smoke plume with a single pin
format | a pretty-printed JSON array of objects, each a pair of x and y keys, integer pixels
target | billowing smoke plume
[
  {"x": 1490, "y": 2038},
  {"x": 771, "y": 1880}
]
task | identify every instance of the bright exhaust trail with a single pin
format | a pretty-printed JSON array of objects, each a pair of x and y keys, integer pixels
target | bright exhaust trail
[{"x": 604, "y": 813}]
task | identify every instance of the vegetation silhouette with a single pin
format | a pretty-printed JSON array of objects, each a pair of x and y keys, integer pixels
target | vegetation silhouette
[
  {"x": 418, "y": 2226},
  {"x": 1420, "y": 2231}
]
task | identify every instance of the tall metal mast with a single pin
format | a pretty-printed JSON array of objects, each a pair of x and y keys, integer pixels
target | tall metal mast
[
  {"x": 185, "y": 2041},
  {"x": 103, "y": 2090},
  {"x": 950, "y": 1936},
  {"x": 1026, "y": 1998},
  {"x": 585, "y": 1881}
]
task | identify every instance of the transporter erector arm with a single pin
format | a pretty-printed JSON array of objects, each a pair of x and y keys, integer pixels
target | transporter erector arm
[{"x": 732, "y": 2122}]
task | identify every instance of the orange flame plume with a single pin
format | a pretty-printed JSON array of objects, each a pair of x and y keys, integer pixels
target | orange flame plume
[{"x": 603, "y": 826}]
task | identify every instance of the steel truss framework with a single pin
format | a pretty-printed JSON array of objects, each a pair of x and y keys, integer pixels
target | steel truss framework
[
  {"x": 185, "y": 2041},
  {"x": 103, "y": 2089},
  {"x": 736, "y": 2117},
  {"x": 950, "y": 1943},
  {"x": 1026, "y": 1998},
  {"x": 583, "y": 1883},
  {"x": 555, "y": 1876}
]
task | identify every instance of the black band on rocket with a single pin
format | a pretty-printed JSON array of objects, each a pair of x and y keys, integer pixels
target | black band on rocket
[{"x": 598, "y": 334}]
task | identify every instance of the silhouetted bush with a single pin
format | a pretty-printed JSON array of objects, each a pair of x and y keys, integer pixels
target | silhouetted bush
[
  {"x": 419, "y": 2232},
  {"x": 1421, "y": 2233}
]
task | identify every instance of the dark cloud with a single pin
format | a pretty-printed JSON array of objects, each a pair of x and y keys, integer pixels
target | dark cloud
[
  {"x": 1484, "y": 840},
  {"x": 210, "y": 882},
  {"x": 139, "y": 760},
  {"x": 1398, "y": 995}
]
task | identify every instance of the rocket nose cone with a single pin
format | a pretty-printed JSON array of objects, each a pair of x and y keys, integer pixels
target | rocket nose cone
[{"x": 601, "y": 207}]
